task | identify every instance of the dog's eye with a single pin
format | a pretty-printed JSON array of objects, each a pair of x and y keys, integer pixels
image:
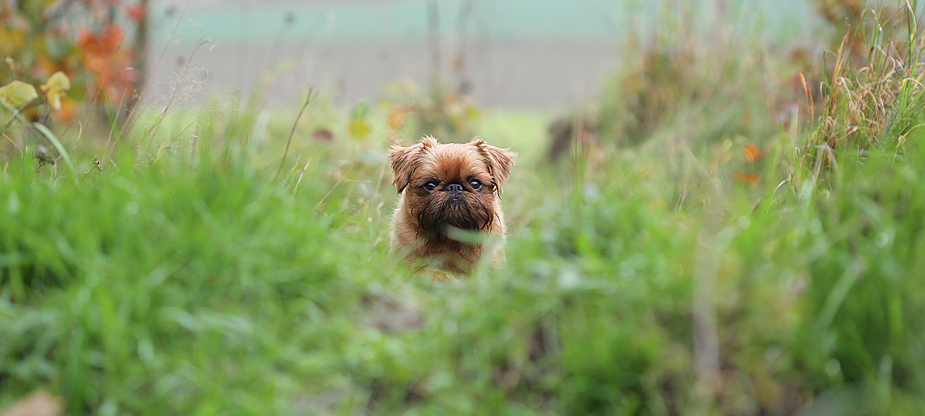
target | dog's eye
[
  {"x": 430, "y": 186},
  {"x": 475, "y": 184}
]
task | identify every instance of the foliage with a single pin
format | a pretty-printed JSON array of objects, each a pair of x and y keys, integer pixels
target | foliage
[
  {"x": 184, "y": 274},
  {"x": 874, "y": 101},
  {"x": 17, "y": 94},
  {"x": 178, "y": 284},
  {"x": 17, "y": 97},
  {"x": 850, "y": 21},
  {"x": 684, "y": 65},
  {"x": 439, "y": 112},
  {"x": 84, "y": 39},
  {"x": 711, "y": 101}
]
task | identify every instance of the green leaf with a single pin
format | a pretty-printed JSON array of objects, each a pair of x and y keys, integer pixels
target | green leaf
[{"x": 359, "y": 127}]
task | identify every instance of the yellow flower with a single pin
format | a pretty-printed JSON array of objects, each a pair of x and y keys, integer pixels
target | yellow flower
[{"x": 54, "y": 89}]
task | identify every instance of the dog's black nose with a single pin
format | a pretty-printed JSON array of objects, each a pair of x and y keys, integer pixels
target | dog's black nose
[{"x": 454, "y": 188}]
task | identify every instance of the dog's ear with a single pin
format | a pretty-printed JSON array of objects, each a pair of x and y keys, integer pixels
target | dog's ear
[
  {"x": 500, "y": 161},
  {"x": 404, "y": 161}
]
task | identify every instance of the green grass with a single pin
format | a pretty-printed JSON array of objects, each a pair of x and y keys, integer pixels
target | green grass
[
  {"x": 186, "y": 277},
  {"x": 195, "y": 284}
]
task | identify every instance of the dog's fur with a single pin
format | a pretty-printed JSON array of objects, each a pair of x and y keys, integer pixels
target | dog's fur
[{"x": 439, "y": 228}]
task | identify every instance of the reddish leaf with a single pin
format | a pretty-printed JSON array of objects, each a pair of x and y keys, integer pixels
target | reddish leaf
[
  {"x": 746, "y": 177},
  {"x": 108, "y": 60},
  {"x": 323, "y": 134},
  {"x": 136, "y": 12}
]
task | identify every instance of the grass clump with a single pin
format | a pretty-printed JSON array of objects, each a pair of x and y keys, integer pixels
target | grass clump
[
  {"x": 872, "y": 101},
  {"x": 173, "y": 282}
]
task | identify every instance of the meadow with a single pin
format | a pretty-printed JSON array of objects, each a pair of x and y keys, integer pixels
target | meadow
[{"x": 729, "y": 230}]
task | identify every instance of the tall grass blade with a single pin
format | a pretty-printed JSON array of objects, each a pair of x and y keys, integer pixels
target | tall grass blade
[
  {"x": 61, "y": 150},
  {"x": 295, "y": 124}
]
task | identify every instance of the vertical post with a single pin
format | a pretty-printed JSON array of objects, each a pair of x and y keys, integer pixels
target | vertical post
[
  {"x": 433, "y": 37},
  {"x": 141, "y": 56}
]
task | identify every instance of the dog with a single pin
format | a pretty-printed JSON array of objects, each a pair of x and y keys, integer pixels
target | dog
[{"x": 448, "y": 215}]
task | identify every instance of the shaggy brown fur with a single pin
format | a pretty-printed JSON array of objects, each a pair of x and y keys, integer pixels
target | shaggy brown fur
[{"x": 448, "y": 208}]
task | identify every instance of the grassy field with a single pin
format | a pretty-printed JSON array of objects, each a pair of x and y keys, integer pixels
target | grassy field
[{"x": 716, "y": 245}]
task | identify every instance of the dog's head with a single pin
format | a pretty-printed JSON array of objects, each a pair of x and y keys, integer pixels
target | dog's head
[{"x": 451, "y": 185}]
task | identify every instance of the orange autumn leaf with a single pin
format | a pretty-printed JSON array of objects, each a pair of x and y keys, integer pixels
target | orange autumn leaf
[
  {"x": 108, "y": 60},
  {"x": 752, "y": 153},
  {"x": 746, "y": 177},
  {"x": 397, "y": 118},
  {"x": 104, "y": 43}
]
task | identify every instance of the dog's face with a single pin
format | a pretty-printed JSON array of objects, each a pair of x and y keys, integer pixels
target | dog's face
[{"x": 451, "y": 185}]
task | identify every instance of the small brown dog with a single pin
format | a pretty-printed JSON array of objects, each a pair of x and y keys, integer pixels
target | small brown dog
[{"x": 448, "y": 206}]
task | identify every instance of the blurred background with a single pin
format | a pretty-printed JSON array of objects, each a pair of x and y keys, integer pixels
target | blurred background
[{"x": 523, "y": 54}]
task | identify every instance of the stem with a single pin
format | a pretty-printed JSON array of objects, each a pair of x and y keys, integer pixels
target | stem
[{"x": 282, "y": 161}]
